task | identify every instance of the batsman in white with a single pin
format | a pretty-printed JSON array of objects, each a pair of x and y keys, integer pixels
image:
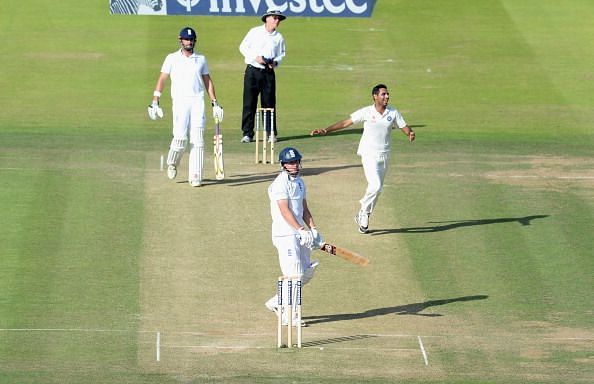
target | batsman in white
[
  {"x": 294, "y": 232},
  {"x": 189, "y": 80},
  {"x": 374, "y": 147}
]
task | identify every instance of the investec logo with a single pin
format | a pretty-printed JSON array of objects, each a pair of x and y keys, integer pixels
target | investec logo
[{"x": 290, "y": 7}]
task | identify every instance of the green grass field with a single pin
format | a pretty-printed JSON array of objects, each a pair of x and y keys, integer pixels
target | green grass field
[{"x": 481, "y": 246}]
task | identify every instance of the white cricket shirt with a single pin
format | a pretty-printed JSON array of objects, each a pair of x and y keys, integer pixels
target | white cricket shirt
[
  {"x": 258, "y": 42},
  {"x": 285, "y": 187},
  {"x": 377, "y": 128},
  {"x": 185, "y": 74}
]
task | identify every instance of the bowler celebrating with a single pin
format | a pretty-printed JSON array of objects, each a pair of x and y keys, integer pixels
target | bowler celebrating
[{"x": 374, "y": 147}]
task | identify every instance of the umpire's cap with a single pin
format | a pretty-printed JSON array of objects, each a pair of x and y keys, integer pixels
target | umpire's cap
[
  {"x": 273, "y": 12},
  {"x": 187, "y": 33}
]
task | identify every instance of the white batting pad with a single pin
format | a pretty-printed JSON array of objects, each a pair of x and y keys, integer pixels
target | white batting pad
[
  {"x": 176, "y": 151},
  {"x": 196, "y": 162}
]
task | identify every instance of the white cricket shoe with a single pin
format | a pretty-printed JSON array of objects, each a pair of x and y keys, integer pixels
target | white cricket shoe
[
  {"x": 303, "y": 323},
  {"x": 171, "y": 172},
  {"x": 245, "y": 139},
  {"x": 272, "y": 139},
  {"x": 362, "y": 220},
  {"x": 295, "y": 323},
  {"x": 195, "y": 183},
  {"x": 271, "y": 307}
]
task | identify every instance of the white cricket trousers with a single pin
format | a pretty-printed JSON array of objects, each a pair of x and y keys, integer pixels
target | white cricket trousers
[
  {"x": 188, "y": 125},
  {"x": 294, "y": 261},
  {"x": 375, "y": 167}
]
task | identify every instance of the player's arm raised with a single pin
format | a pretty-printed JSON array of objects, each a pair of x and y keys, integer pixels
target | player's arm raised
[{"x": 334, "y": 127}]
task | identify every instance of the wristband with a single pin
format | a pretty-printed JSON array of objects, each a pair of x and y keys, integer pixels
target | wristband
[{"x": 157, "y": 94}]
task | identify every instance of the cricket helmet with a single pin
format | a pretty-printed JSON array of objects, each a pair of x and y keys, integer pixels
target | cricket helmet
[
  {"x": 187, "y": 33},
  {"x": 289, "y": 154}
]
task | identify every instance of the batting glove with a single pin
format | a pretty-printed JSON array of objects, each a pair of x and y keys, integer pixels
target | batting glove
[
  {"x": 318, "y": 240},
  {"x": 217, "y": 111},
  {"x": 154, "y": 111},
  {"x": 306, "y": 238}
]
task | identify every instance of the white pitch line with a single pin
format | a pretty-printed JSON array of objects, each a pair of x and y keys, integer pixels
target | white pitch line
[
  {"x": 158, "y": 346},
  {"x": 369, "y": 349},
  {"x": 538, "y": 177},
  {"x": 236, "y": 347},
  {"x": 229, "y": 347},
  {"x": 67, "y": 330},
  {"x": 423, "y": 351},
  {"x": 534, "y": 177}
]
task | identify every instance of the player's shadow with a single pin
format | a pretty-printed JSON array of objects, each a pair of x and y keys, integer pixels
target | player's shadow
[
  {"x": 251, "y": 178},
  {"x": 334, "y": 340},
  {"x": 241, "y": 179},
  {"x": 321, "y": 170},
  {"x": 407, "y": 309},
  {"x": 449, "y": 225}
]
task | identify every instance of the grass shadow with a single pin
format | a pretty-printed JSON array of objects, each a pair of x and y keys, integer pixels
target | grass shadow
[
  {"x": 335, "y": 340},
  {"x": 407, "y": 309},
  {"x": 449, "y": 225},
  {"x": 244, "y": 179}
]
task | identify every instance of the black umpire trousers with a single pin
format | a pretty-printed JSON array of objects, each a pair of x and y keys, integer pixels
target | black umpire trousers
[{"x": 262, "y": 82}]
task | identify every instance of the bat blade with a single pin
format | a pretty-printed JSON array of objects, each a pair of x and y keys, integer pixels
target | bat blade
[
  {"x": 344, "y": 253},
  {"x": 218, "y": 153}
]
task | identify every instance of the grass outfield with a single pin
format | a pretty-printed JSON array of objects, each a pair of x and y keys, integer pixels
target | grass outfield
[{"x": 481, "y": 246}]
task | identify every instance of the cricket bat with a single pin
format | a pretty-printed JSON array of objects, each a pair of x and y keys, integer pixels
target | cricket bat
[
  {"x": 218, "y": 153},
  {"x": 346, "y": 254}
]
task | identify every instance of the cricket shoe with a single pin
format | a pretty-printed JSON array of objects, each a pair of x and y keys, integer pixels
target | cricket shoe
[
  {"x": 272, "y": 139},
  {"x": 245, "y": 139},
  {"x": 195, "y": 183},
  {"x": 296, "y": 323},
  {"x": 271, "y": 306},
  {"x": 362, "y": 220},
  {"x": 303, "y": 323},
  {"x": 171, "y": 172}
]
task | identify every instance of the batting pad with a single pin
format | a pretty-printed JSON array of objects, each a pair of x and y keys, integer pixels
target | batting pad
[
  {"x": 196, "y": 162},
  {"x": 176, "y": 151}
]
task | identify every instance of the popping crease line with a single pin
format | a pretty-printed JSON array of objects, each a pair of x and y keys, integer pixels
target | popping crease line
[{"x": 423, "y": 351}]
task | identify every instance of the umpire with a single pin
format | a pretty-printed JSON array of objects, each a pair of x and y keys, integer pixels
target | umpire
[{"x": 263, "y": 49}]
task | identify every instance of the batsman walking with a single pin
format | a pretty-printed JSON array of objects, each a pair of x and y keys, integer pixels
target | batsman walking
[
  {"x": 294, "y": 232},
  {"x": 374, "y": 147},
  {"x": 190, "y": 78}
]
